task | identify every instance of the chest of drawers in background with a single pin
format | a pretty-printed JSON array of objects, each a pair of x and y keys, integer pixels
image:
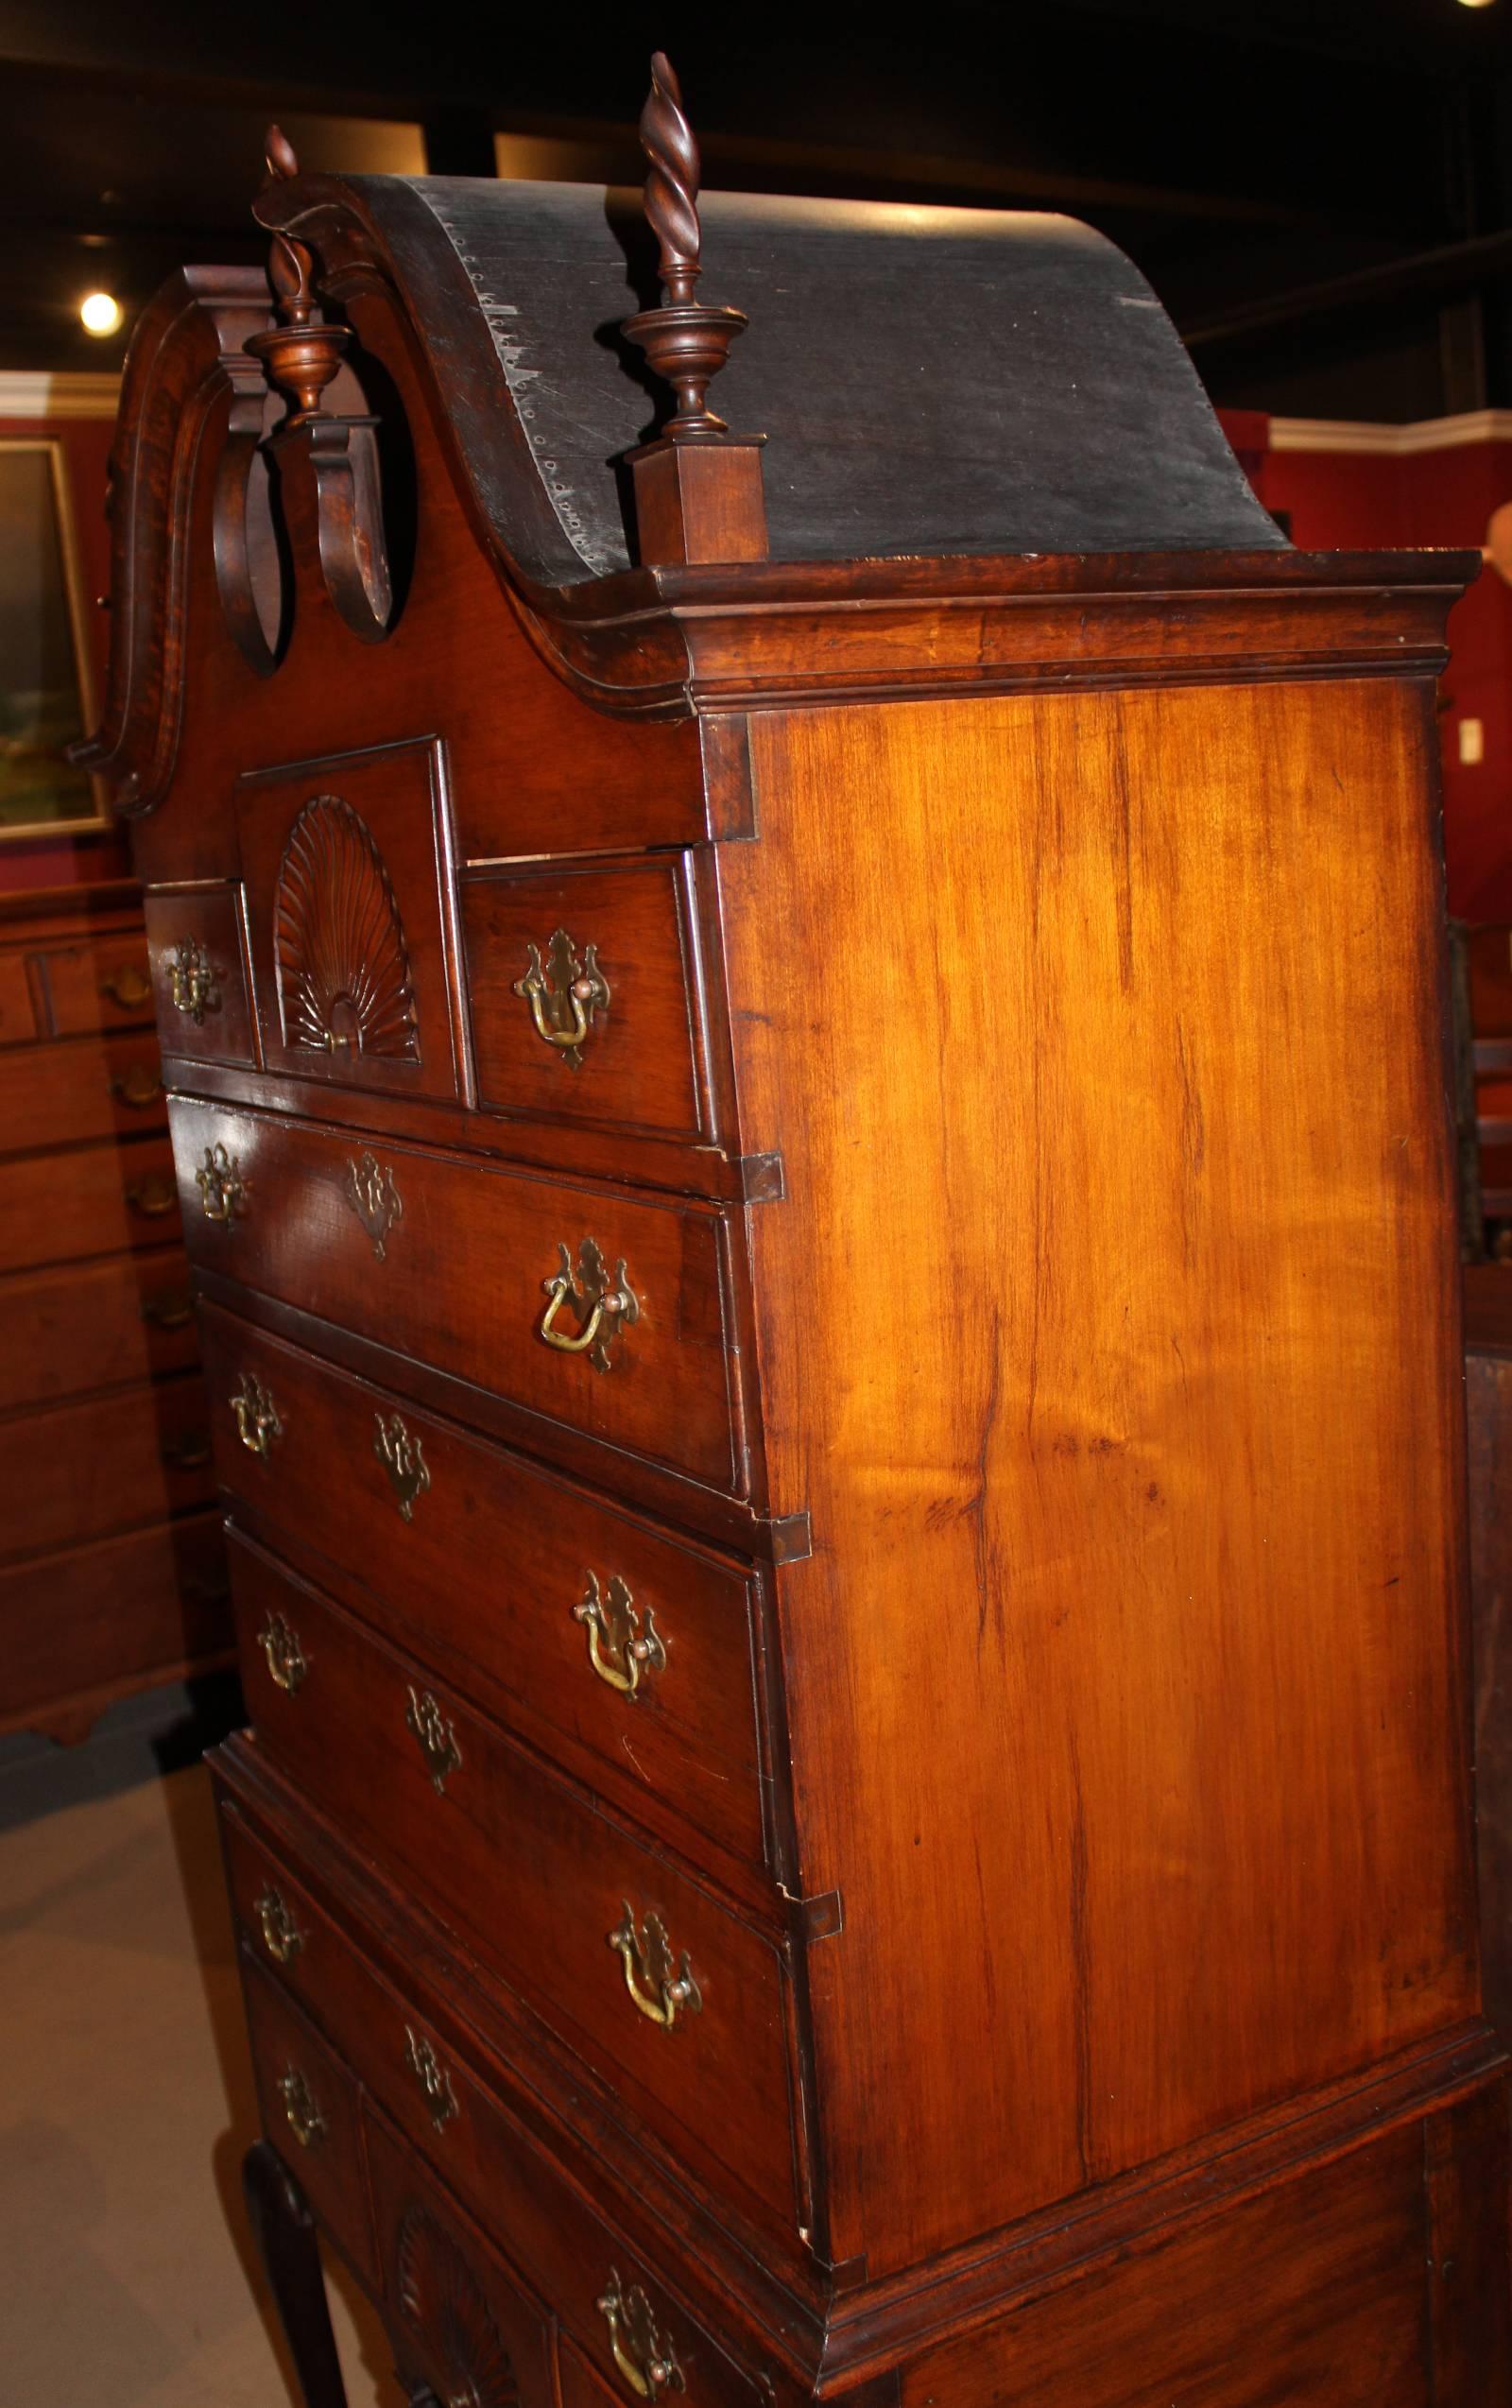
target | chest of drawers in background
[{"x": 111, "y": 1564}]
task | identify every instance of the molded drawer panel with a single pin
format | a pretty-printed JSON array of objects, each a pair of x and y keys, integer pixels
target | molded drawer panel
[
  {"x": 537, "y": 1878},
  {"x": 129, "y": 1317},
  {"x": 198, "y": 974},
  {"x": 310, "y": 2113},
  {"x": 100, "y": 982},
  {"x": 80, "y": 1471},
  {"x": 453, "y": 1265},
  {"x": 503, "y": 1572},
  {"x": 54, "y": 1095},
  {"x": 60, "y": 1208}
]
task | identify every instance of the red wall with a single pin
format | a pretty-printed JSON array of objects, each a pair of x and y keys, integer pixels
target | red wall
[
  {"x": 1342, "y": 500},
  {"x": 73, "y": 860}
]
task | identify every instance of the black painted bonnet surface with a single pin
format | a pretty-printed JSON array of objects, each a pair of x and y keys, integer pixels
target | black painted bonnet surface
[{"x": 930, "y": 381}]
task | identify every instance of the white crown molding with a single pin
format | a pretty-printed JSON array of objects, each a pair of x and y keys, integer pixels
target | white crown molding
[
  {"x": 1364, "y": 436},
  {"x": 58, "y": 393}
]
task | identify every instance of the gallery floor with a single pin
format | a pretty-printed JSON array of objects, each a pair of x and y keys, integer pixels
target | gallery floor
[{"x": 125, "y": 2101}]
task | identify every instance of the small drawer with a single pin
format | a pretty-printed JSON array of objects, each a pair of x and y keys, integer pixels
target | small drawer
[
  {"x": 682, "y": 2009},
  {"x": 198, "y": 974},
  {"x": 95, "y": 1326},
  {"x": 60, "y": 1208},
  {"x": 585, "y": 997},
  {"x": 469, "y": 2137},
  {"x": 483, "y": 1273},
  {"x": 100, "y": 983},
  {"x": 457, "y": 2321},
  {"x": 53, "y": 1095},
  {"x": 311, "y": 2115},
  {"x": 81, "y": 1472},
  {"x": 590, "y": 1627}
]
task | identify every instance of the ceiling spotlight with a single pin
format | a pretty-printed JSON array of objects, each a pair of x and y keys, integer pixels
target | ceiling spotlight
[
  {"x": 1474, "y": 4},
  {"x": 101, "y": 312}
]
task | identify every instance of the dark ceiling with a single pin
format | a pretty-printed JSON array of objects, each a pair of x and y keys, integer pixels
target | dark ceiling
[{"x": 1242, "y": 154}]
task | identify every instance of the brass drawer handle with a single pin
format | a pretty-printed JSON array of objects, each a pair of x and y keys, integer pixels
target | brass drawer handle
[
  {"x": 305, "y": 2121},
  {"x": 257, "y": 1422},
  {"x": 437, "y": 1740},
  {"x": 173, "y": 1311},
  {"x": 192, "y": 978},
  {"x": 403, "y": 1458},
  {"x": 659, "y": 1991},
  {"x": 623, "y": 1644},
  {"x": 138, "y": 1089},
  {"x": 374, "y": 1198},
  {"x": 644, "y": 2356},
  {"x": 282, "y": 1937},
  {"x": 222, "y": 1188},
  {"x": 434, "y": 2081},
  {"x": 127, "y": 987},
  {"x": 287, "y": 1661},
  {"x": 154, "y": 1198},
  {"x": 564, "y": 995},
  {"x": 190, "y": 1452},
  {"x": 608, "y": 1304}
]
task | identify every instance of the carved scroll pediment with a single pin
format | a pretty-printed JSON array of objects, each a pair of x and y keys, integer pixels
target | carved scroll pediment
[{"x": 344, "y": 976}]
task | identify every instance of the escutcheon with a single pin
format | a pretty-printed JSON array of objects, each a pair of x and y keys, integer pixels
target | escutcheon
[
  {"x": 661, "y": 1989},
  {"x": 563, "y": 995},
  {"x": 645, "y": 2359},
  {"x": 222, "y": 1188},
  {"x": 402, "y": 1459},
  {"x": 287, "y": 1662},
  {"x": 431, "y": 2074},
  {"x": 437, "y": 1740},
  {"x": 603, "y": 1305},
  {"x": 305, "y": 2121},
  {"x": 374, "y": 1198},
  {"x": 282, "y": 1937},
  {"x": 257, "y": 1422},
  {"x": 623, "y": 1644},
  {"x": 192, "y": 982}
]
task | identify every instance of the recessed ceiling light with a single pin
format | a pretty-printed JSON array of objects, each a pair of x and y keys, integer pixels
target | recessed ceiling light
[
  {"x": 1474, "y": 4},
  {"x": 101, "y": 312}
]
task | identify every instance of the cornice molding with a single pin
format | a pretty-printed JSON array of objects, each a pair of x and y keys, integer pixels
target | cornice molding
[
  {"x": 1365, "y": 437},
  {"x": 33, "y": 393}
]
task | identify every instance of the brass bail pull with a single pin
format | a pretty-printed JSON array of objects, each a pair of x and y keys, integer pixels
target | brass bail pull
[{"x": 610, "y": 1303}]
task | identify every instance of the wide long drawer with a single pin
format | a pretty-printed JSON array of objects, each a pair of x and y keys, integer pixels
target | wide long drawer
[
  {"x": 67, "y": 1094},
  {"x": 129, "y": 1317},
  {"x": 120, "y": 1614},
  {"x": 590, "y": 1627},
  {"x": 682, "y": 2010},
  {"x": 80, "y": 1471},
  {"x": 59, "y": 1208},
  {"x": 462, "y": 2128},
  {"x": 453, "y": 1261}
]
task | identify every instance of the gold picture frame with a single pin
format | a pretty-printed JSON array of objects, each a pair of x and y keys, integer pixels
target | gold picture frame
[{"x": 48, "y": 690}]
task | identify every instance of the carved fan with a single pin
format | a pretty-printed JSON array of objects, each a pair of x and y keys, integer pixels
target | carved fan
[
  {"x": 439, "y": 2297},
  {"x": 343, "y": 966}
]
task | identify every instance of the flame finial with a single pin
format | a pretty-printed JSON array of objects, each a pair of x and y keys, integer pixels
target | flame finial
[{"x": 671, "y": 184}]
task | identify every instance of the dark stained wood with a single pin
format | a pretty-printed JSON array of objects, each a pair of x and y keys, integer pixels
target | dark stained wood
[
  {"x": 1067, "y": 1810},
  {"x": 286, "y": 2236},
  {"x": 200, "y": 932},
  {"x": 483, "y": 1580},
  {"x": 312, "y": 2119},
  {"x": 720, "y": 2077},
  {"x": 464, "y": 1278},
  {"x": 1488, "y": 1404},
  {"x": 104, "y": 1443}
]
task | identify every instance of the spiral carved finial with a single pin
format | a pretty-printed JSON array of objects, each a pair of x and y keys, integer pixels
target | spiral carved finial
[
  {"x": 671, "y": 184},
  {"x": 686, "y": 341},
  {"x": 302, "y": 353},
  {"x": 278, "y": 149}
]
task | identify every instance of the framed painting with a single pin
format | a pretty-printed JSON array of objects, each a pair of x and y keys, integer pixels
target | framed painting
[{"x": 46, "y": 682}]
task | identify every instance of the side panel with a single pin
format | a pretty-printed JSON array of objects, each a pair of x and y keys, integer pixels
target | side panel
[{"x": 1108, "y": 1335}]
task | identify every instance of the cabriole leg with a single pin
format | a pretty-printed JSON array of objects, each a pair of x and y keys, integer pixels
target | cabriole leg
[{"x": 285, "y": 2232}]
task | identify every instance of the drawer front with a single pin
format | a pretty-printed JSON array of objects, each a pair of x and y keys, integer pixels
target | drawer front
[
  {"x": 535, "y": 1876},
  {"x": 98, "y": 1326},
  {"x": 122, "y": 1611},
  {"x": 18, "y": 1011},
  {"x": 311, "y": 2115},
  {"x": 81, "y": 1472},
  {"x": 457, "y": 2320},
  {"x": 66, "y": 1094},
  {"x": 198, "y": 974},
  {"x": 500, "y": 1570},
  {"x": 483, "y": 2155},
  {"x": 60, "y": 1209},
  {"x": 450, "y": 1261},
  {"x": 608, "y": 1027},
  {"x": 100, "y": 982}
]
